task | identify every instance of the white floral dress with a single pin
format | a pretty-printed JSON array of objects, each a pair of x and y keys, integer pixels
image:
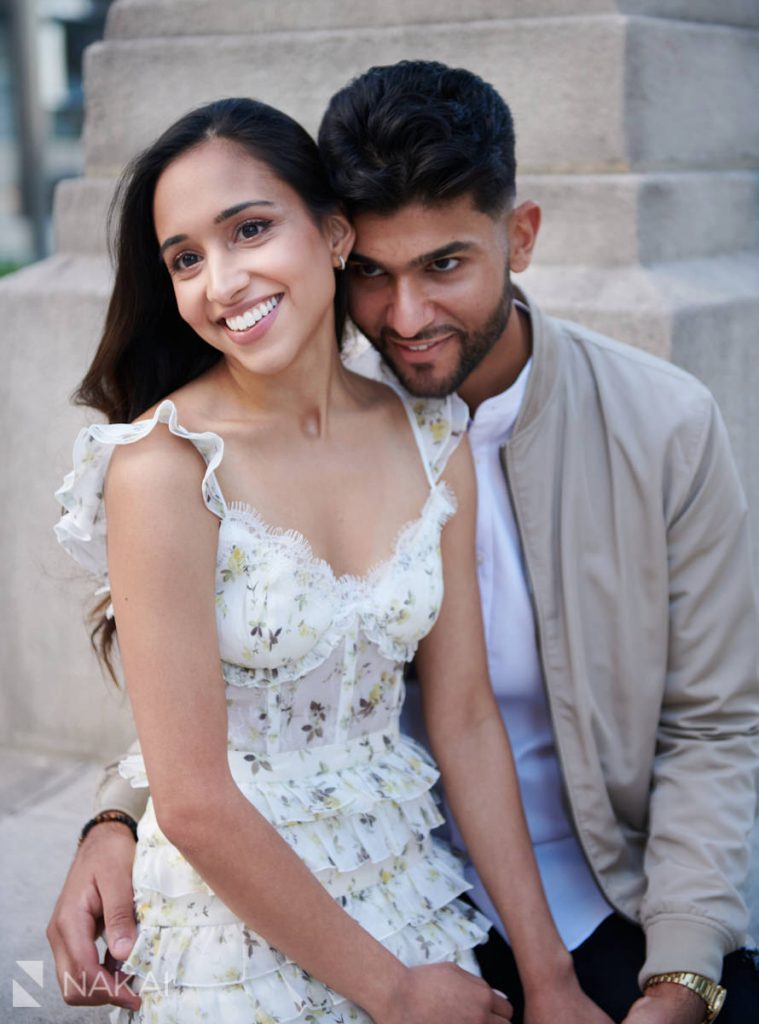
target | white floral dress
[{"x": 313, "y": 669}]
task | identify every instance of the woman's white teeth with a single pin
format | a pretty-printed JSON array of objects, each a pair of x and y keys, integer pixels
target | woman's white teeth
[{"x": 252, "y": 316}]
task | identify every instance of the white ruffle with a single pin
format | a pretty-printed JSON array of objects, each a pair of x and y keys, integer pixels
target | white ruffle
[
  {"x": 415, "y": 914},
  {"x": 82, "y": 528},
  {"x": 347, "y": 854},
  {"x": 242, "y": 1003},
  {"x": 215, "y": 956}
]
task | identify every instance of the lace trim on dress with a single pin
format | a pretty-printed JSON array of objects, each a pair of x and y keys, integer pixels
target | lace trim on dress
[
  {"x": 441, "y": 501},
  {"x": 346, "y": 593}
]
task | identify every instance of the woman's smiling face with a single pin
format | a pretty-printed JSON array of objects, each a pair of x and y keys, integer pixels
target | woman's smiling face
[{"x": 252, "y": 271}]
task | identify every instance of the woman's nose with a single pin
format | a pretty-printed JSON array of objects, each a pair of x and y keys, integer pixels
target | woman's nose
[{"x": 226, "y": 277}]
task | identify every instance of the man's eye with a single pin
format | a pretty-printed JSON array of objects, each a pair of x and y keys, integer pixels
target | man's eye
[
  {"x": 252, "y": 228},
  {"x": 447, "y": 263},
  {"x": 367, "y": 270}
]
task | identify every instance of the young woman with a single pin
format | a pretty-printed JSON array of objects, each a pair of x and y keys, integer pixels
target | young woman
[{"x": 273, "y": 547}]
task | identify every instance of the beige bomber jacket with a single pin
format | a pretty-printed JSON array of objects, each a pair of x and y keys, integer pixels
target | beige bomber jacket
[{"x": 634, "y": 530}]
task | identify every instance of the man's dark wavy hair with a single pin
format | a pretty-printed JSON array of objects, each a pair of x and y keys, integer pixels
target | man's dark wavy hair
[{"x": 418, "y": 131}]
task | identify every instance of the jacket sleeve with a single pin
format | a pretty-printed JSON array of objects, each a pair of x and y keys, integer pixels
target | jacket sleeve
[
  {"x": 113, "y": 793},
  {"x": 704, "y": 780}
]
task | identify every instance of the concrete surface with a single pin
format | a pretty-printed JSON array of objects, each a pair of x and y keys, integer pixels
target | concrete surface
[{"x": 43, "y": 803}]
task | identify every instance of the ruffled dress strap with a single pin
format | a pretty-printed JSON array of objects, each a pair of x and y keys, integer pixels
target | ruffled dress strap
[
  {"x": 82, "y": 527},
  {"x": 439, "y": 424}
]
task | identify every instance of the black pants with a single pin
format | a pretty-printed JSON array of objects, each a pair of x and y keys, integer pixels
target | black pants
[{"x": 607, "y": 966}]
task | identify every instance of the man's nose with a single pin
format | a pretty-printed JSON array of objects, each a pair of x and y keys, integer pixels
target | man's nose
[{"x": 409, "y": 311}]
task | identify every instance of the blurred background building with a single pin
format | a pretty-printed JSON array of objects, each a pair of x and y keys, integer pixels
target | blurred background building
[{"x": 41, "y": 114}]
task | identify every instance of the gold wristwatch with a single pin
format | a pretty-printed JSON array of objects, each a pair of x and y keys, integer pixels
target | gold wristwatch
[{"x": 711, "y": 993}]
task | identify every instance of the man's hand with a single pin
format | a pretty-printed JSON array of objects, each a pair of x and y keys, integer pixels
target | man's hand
[
  {"x": 97, "y": 892},
  {"x": 667, "y": 1003}
]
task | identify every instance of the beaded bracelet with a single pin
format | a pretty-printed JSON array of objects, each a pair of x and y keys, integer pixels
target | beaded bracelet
[{"x": 99, "y": 819}]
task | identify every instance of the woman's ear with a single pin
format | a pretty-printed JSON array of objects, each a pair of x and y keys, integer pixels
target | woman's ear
[
  {"x": 340, "y": 236},
  {"x": 523, "y": 227}
]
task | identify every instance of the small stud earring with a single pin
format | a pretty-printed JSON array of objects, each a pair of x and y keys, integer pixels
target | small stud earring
[{"x": 341, "y": 262}]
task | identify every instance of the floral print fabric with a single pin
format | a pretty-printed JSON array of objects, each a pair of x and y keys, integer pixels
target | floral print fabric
[{"x": 313, "y": 670}]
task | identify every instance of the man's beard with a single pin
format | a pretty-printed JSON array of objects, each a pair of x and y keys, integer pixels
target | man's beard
[{"x": 473, "y": 346}]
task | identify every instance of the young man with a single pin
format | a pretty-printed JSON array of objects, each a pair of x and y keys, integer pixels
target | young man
[{"x": 614, "y": 568}]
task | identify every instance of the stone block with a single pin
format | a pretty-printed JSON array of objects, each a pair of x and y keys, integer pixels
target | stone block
[
  {"x": 53, "y": 695},
  {"x": 135, "y": 19},
  {"x": 615, "y": 93},
  {"x": 80, "y": 215},
  {"x": 575, "y": 65},
  {"x": 691, "y": 96},
  {"x": 616, "y": 219}
]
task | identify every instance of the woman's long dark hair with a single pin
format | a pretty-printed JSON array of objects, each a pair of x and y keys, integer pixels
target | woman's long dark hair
[{"x": 146, "y": 350}]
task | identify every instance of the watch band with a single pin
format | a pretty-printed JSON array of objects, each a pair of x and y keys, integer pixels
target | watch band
[{"x": 711, "y": 993}]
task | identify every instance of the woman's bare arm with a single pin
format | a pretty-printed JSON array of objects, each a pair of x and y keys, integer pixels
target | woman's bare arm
[
  {"x": 162, "y": 553},
  {"x": 472, "y": 749}
]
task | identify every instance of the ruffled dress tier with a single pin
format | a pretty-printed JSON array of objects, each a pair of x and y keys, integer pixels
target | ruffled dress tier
[{"x": 312, "y": 665}]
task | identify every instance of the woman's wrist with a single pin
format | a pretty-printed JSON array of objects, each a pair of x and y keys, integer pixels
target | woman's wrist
[
  {"x": 382, "y": 994},
  {"x": 548, "y": 966}
]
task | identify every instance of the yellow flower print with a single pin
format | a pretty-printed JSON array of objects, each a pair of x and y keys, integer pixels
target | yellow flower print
[
  {"x": 438, "y": 431},
  {"x": 236, "y": 565},
  {"x": 420, "y": 411}
]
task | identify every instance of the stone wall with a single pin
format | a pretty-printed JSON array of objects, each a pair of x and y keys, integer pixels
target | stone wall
[{"x": 638, "y": 131}]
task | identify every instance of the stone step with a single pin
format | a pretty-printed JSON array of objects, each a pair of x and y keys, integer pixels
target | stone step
[
  {"x": 135, "y": 19},
  {"x": 599, "y": 219},
  {"x": 617, "y": 219},
  {"x": 618, "y": 93}
]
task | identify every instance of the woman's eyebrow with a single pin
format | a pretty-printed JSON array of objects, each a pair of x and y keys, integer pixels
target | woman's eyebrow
[{"x": 239, "y": 207}]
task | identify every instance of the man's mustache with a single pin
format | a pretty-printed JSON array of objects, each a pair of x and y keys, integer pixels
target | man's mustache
[{"x": 428, "y": 334}]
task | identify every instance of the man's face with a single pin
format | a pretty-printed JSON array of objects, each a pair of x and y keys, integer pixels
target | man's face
[{"x": 430, "y": 288}]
